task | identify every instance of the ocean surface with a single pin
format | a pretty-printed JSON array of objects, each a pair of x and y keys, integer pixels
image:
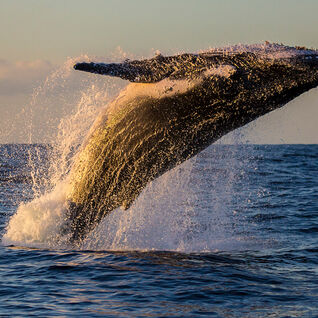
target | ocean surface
[{"x": 231, "y": 233}]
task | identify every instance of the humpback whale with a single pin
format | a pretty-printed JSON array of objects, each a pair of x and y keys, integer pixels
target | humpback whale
[{"x": 175, "y": 107}]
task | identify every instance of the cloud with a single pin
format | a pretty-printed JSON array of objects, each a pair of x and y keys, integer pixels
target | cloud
[{"x": 22, "y": 77}]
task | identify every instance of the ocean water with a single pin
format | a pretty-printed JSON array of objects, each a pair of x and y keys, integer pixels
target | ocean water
[{"x": 231, "y": 233}]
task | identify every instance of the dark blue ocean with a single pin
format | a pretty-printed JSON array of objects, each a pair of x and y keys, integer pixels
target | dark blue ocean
[{"x": 232, "y": 233}]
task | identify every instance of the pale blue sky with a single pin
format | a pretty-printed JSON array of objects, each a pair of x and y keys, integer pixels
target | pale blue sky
[
  {"x": 37, "y": 35},
  {"x": 56, "y": 29}
]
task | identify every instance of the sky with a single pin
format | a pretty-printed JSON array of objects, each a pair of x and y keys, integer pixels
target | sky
[{"x": 38, "y": 36}]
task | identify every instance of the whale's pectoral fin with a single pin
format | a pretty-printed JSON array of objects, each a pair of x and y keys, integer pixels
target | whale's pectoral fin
[
  {"x": 123, "y": 70},
  {"x": 136, "y": 71}
]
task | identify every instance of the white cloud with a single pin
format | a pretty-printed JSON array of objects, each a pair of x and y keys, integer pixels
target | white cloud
[{"x": 21, "y": 77}]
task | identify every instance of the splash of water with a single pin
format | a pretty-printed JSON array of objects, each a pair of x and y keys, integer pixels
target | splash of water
[{"x": 37, "y": 223}]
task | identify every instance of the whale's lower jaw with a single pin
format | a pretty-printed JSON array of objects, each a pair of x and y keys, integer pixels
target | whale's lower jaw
[{"x": 150, "y": 129}]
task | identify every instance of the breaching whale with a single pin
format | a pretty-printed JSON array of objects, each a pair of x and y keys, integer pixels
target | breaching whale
[{"x": 176, "y": 107}]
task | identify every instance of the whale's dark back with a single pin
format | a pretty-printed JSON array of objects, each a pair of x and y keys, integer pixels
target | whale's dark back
[{"x": 147, "y": 135}]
